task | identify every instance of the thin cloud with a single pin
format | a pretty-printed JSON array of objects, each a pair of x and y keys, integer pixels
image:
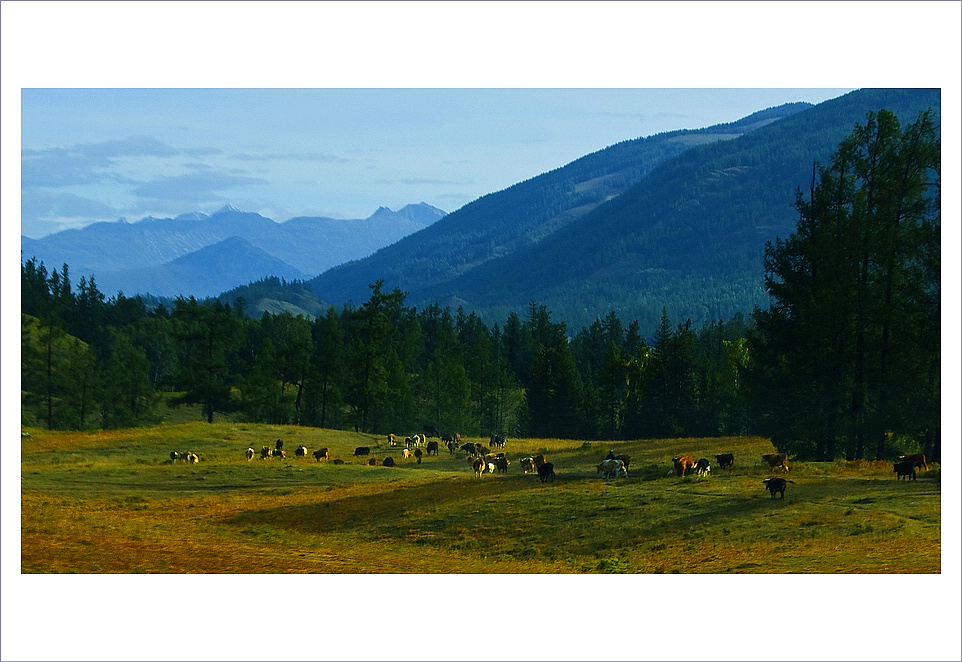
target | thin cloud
[{"x": 194, "y": 187}]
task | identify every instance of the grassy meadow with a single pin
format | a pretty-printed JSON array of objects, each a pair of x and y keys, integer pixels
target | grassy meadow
[{"x": 112, "y": 502}]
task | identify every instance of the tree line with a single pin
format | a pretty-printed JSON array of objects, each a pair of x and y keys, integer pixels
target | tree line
[{"x": 845, "y": 362}]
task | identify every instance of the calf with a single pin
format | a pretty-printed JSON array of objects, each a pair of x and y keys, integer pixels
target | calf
[
  {"x": 683, "y": 465},
  {"x": 725, "y": 461},
  {"x": 406, "y": 453},
  {"x": 917, "y": 460},
  {"x": 777, "y": 485},
  {"x": 904, "y": 468},
  {"x": 362, "y": 450},
  {"x": 250, "y": 454},
  {"x": 702, "y": 467},
  {"x": 322, "y": 454},
  {"x": 776, "y": 460},
  {"x": 546, "y": 472}
]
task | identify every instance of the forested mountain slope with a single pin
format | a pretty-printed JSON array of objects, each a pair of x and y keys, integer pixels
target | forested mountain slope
[
  {"x": 499, "y": 224},
  {"x": 688, "y": 237}
]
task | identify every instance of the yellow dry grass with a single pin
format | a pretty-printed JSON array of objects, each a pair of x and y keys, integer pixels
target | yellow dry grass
[{"x": 112, "y": 502}]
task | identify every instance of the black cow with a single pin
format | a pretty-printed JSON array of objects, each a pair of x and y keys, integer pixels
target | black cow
[
  {"x": 469, "y": 448},
  {"x": 388, "y": 461},
  {"x": 278, "y": 445},
  {"x": 174, "y": 455},
  {"x": 432, "y": 447},
  {"x": 777, "y": 485},
  {"x": 725, "y": 461},
  {"x": 418, "y": 454},
  {"x": 362, "y": 450},
  {"x": 546, "y": 472},
  {"x": 905, "y": 468}
]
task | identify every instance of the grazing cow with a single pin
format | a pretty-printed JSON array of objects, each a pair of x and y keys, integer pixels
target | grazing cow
[
  {"x": 777, "y": 485},
  {"x": 683, "y": 465},
  {"x": 322, "y": 454},
  {"x": 725, "y": 461},
  {"x": 905, "y": 468},
  {"x": 527, "y": 464},
  {"x": 452, "y": 447},
  {"x": 612, "y": 469},
  {"x": 362, "y": 450},
  {"x": 191, "y": 457},
  {"x": 406, "y": 453},
  {"x": 300, "y": 451},
  {"x": 501, "y": 463},
  {"x": 497, "y": 440},
  {"x": 265, "y": 452},
  {"x": 478, "y": 465},
  {"x": 279, "y": 453},
  {"x": 372, "y": 462},
  {"x": 917, "y": 460},
  {"x": 388, "y": 461},
  {"x": 418, "y": 454},
  {"x": 432, "y": 447},
  {"x": 776, "y": 460},
  {"x": 250, "y": 454},
  {"x": 278, "y": 445},
  {"x": 546, "y": 472},
  {"x": 702, "y": 467},
  {"x": 391, "y": 439},
  {"x": 174, "y": 455},
  {"x": 413, "y": 441},
  {"x": 470, "y": 448}
]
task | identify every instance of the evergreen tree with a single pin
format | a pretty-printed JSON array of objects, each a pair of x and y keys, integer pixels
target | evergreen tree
[{"x": 841, "y": 347}]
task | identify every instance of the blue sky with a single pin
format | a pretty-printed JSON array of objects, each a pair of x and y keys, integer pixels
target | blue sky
[{"x": 102, "y": 154}]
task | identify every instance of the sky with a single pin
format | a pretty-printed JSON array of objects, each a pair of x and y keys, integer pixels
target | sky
[
  {"x": 103, "y": 154},
  {"x": 135, "y": 108}
]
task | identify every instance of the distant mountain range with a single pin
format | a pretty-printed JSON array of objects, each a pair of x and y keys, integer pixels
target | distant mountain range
[
  {"x": 677, "y": 221},
  {"x": 201, "y": 255}
]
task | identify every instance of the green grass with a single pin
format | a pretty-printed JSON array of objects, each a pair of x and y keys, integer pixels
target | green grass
[{"x": 112, "y": 502}]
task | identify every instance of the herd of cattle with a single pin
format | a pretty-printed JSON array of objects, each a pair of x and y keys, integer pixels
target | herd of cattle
[{"x": 484, "y": 461}]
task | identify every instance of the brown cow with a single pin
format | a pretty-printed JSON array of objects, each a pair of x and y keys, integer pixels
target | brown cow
[
  {"x": 539, "y": 459},
  {"x": 478, "y": 465},
  {"x": 777, "y": 485},
  {"x": 372, "y": 462},
  {"x": 776, "y": 460},
  {"x": 917, "y": 460},
  {"x": 625, "y": 460},
  {"x": 322, "y": 454},
  {"x": 683, "y": 465}
]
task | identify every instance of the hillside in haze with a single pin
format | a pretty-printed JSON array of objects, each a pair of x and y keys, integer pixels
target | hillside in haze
[
  {"x": 687, "y": 235},
  {"x": 140, "y": 257}
]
